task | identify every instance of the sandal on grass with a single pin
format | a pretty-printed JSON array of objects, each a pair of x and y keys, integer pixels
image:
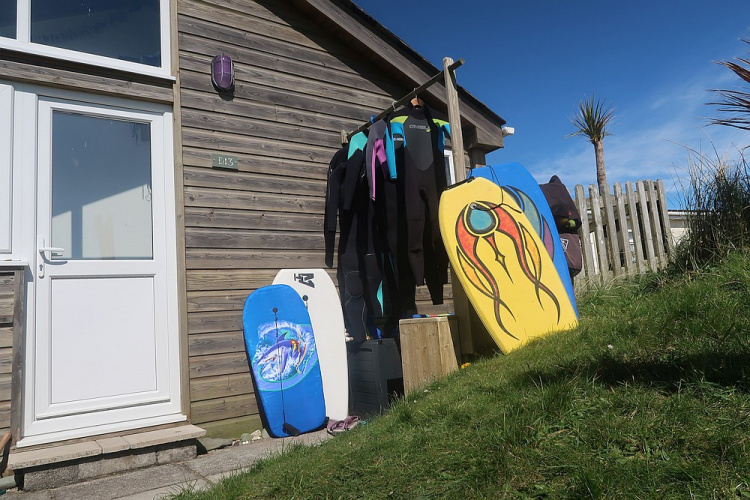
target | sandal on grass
[
  {"x": 336, "y": 427},
  {"x": 351, "y": 422}
]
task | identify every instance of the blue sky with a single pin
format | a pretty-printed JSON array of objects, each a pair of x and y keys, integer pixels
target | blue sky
[{"x": 531, "y": 61}]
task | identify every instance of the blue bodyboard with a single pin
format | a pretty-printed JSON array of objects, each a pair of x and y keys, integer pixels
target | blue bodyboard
[
  {"x": 283, "y": 359},
  {"x": 519, "y": 183}
]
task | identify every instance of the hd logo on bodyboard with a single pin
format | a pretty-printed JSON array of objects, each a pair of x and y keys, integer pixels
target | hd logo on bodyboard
[{"x": 305, "y": 279}]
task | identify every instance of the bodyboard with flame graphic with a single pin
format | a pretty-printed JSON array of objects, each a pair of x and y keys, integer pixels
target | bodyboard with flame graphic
[
  {"x": 283, "y": 359},
  {"x": 502, "y": 264},
  {"x": 521, "y": 184}
]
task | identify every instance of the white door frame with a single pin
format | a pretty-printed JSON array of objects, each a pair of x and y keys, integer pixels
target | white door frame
[{"x": 62, "y": 422}]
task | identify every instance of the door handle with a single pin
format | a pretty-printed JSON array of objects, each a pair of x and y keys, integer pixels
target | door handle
[
  {"x": 43, "y": 249},
  {"x": 51, "y": 250}
]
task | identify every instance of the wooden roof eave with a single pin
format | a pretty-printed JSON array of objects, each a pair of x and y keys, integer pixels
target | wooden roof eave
[{"x": 482, "y": 127}]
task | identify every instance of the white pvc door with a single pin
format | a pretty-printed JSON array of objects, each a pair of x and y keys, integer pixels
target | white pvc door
[{"x": 105, "y": 352}]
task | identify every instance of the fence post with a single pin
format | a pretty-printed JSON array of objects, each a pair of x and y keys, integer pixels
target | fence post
[
  {"x": 601, "y": 247},
  {"x": 646, "y": 225},
  {"x": 589, "y": 272},
  {"x": 668, "y": 239},
  {"x": 611, "y": 235},
  {"x": 640, "y": 261},
  {"x": 656, "y": 226},
  {"x": 627, "y": 255}
]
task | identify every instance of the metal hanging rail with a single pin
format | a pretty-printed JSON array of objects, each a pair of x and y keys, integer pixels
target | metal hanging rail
[{"x": 438, "y": 77}]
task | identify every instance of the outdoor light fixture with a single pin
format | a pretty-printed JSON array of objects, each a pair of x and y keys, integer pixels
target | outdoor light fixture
[
  {"x": 222, "y": 73},
  {"x": 507, "y": 131}
]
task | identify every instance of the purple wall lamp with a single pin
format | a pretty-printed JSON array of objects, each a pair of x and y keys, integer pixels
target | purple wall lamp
[{"x": 222, "y": 73}]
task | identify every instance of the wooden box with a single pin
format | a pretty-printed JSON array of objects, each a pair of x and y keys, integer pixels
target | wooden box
[{"x": 429, "y": 349}]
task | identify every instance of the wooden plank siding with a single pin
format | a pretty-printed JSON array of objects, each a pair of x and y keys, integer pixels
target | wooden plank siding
[
  {"x": 296, "y": 88},
  {"x": 10, "y": 281},
  {"x": 39, "y": 70}
]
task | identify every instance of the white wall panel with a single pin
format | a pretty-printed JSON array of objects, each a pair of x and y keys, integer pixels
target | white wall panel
[{"x": 6, "y": 157}]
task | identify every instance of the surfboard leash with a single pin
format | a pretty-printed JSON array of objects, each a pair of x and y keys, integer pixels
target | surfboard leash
[{"x": 286, "y": 426}]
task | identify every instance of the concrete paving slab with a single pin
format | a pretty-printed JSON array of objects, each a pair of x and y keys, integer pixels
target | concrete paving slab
[
  {"x": 35, "y": 458},
  {"x": 163, "y": 436},
  {"x": 241, "y": 457},
  {"x": 161, "y": 493},
  {"x": 113, "y": 444},
  {"x": 122, "y": 485},
  {"x": 36, "y": 495}
]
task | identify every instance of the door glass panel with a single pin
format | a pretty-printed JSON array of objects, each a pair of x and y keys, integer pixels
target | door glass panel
[
  {"x": 125, "y": 30},
  {"x": 101, "y": 188},
  {"x": 8, "y": 10}
]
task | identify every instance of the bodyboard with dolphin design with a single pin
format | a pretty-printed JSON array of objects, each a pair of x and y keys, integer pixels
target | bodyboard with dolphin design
[
  {"x": 283, "y": 359},
  {"x": 521, "y": 184},
  {"x": 502, "y": 264}
]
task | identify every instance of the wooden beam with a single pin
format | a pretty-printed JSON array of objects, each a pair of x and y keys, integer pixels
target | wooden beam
[{"x": 454, "y": 117}]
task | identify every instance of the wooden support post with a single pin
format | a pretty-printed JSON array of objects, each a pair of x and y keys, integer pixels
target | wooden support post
[
  {"x": 461, "y": 305},
  {"x": 454, "y": 118},
  {"x": 477, "y": 158}
]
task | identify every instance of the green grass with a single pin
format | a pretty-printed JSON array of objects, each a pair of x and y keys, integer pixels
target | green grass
[{"x": 648, "y": 398}]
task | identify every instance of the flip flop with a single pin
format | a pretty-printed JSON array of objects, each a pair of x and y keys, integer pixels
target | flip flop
[
  {"x": 351, "y": 422},
  {"x": 336, "y": 427}
]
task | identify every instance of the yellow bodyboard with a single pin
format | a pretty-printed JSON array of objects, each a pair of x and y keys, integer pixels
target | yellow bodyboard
[{"x": 502, "y": 264}]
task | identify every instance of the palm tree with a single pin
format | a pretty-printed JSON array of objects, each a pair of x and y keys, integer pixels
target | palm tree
[
  {"x": 592, "y": 120},
  {"x": 735, "y": 101}
]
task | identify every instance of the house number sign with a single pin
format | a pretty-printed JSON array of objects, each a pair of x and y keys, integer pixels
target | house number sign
[{"x": 224, "y": 161}]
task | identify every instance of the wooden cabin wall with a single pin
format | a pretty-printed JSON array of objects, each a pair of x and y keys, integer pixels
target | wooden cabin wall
[
  {"x": 39, "y": 70},
  {"x": 296, "y": 89},
  {"x": 11, "y": 300}
]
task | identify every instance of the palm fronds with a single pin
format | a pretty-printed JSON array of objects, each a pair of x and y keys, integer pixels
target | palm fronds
[
  {"x": 735, "y": 102},
  {"x": 592, "y": 119}
]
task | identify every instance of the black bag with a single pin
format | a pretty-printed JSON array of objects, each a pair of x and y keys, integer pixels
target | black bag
[
  {"x": 568, "y": 222},
  {"x": 567, "y": 218},
  {"x": 571, "y": 244}
]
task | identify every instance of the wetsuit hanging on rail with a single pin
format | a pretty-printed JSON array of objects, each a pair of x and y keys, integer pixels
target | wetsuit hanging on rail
[{"x": 415, "y": 155}]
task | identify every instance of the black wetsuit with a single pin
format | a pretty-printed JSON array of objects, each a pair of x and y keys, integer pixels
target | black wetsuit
[
  {"x": 358, "y": 270},
  {"x": 415, "y": 155}
]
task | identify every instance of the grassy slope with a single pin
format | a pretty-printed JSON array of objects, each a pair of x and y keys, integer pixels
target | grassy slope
[{"x": 647, "y": 399}]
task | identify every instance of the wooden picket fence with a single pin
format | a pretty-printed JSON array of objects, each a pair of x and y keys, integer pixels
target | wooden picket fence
[{"x": 622, "y": 233}]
